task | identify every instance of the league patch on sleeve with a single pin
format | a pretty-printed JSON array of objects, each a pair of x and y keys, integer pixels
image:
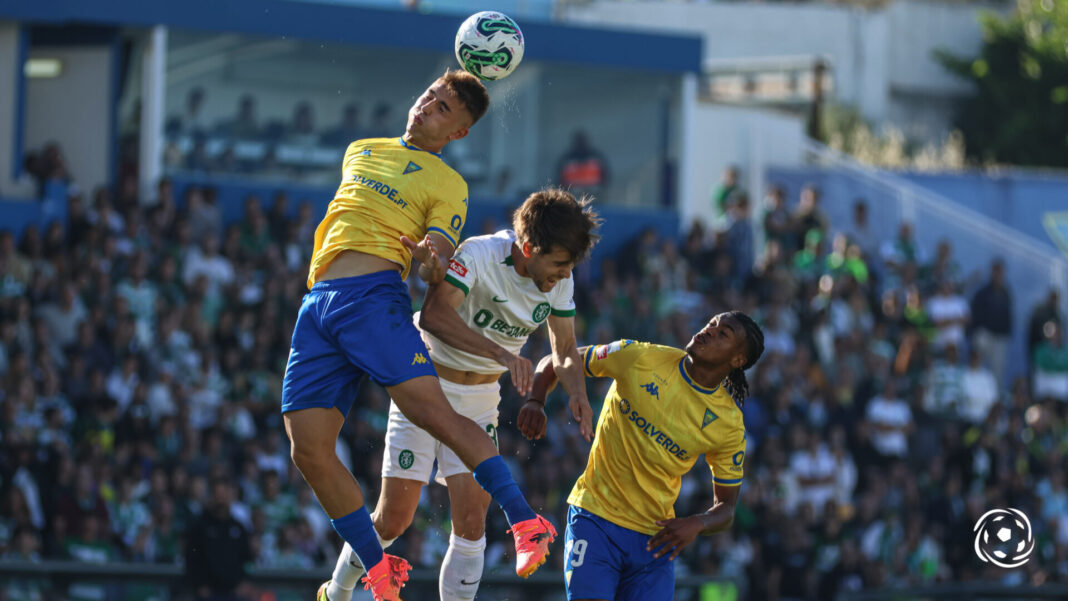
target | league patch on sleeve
[
  {"x": 607, "y": 349},
  {"x": 457, "y": 267}
]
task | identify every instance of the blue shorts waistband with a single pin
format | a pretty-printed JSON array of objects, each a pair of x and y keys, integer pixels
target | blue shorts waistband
[{"x": 388, "y": 275}]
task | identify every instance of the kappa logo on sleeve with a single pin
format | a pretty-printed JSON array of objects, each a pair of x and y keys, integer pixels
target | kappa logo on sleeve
[{"x": 457, "y": 268}]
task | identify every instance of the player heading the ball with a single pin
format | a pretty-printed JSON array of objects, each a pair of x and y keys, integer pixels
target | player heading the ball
[{"x": 356, "y": 322}]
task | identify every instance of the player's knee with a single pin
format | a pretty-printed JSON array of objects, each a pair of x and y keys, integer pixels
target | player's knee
[
  {"x": 310, "y": 459},
  {"x": 391, "y": 524},
  {"x": 469, "y": 523}
]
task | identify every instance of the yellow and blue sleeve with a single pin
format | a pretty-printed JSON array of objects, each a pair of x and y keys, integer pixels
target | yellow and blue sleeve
[
  {"x": 607, "y": 360},
  {"x": 728, "y": 465},
  {"x": 447, "y": 216}
]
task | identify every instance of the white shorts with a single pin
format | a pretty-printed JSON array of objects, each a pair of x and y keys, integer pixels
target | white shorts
[{"x": 411, "y": 451}]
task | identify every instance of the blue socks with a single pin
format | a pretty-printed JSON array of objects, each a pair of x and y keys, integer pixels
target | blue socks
[
  {"x": 358, "y": 531},
  {"x": 493, "y": 476}
]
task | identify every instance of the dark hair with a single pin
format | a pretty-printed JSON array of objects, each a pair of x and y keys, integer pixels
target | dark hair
[
  {"x": 737, "y": 385},
  {"x": 553, "y": 217},
  {"x": 469, "y": 90}
]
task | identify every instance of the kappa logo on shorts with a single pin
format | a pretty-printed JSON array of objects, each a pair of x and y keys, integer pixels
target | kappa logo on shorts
[
  {"x": 406, "y": 459},
  {"x": 457, "y": 268},
  {"x": 419, "y": 359}
]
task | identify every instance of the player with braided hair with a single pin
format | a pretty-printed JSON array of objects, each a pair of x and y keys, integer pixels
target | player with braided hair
[{"x": 665, "y": 407}]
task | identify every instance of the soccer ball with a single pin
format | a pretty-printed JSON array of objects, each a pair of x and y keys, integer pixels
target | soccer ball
[
  {"x": 489, "y": 45},
  {"x": 1009, "y": 537}
]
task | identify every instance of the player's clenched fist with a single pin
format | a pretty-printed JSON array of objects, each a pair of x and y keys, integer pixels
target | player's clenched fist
[{"x": 531, "y": 420}]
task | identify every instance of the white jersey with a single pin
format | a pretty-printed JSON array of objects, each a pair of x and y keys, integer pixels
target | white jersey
[{"x": 500, "y": 304}]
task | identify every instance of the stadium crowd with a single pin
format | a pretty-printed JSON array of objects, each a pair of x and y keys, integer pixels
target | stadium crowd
[{"x": 142, "y": 348}]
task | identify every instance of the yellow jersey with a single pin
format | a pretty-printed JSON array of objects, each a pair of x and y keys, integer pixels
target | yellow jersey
[
  {"x": 654, "y": 424},
  {"x": 389, "y": 188}
]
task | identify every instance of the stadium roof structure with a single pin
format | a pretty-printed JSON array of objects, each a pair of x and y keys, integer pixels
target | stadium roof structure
[{"x": 367, "y": 26}]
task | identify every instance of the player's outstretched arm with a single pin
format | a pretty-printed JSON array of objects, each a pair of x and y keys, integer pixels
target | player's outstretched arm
[
  {"x": 433, "y": 253},
  {"x": 531, "y": 420},
  {"x": 439, "y": 317},
  {"x": 568, "y": 365},
  {"x": 677, "y": 533}
]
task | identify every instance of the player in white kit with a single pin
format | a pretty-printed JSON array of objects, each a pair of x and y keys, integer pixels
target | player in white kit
[{"x": 498, "y": 289}]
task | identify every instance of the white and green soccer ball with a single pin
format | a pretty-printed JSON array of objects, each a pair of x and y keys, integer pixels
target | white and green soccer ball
[{"x": 489, "y": 45}]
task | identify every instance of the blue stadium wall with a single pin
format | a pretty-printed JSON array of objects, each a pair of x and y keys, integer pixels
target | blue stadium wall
[
  {"x": 1018, "y": 200},
  {"x": 621, "y": 224}
]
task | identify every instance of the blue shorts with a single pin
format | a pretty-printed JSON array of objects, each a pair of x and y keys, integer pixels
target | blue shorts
[
  {"x": 606, "y": 561},
  {"x": 349, "y": 328}
]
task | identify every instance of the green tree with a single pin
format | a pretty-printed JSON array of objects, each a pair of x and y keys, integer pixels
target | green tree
[{"x": 1019, "y": 113}]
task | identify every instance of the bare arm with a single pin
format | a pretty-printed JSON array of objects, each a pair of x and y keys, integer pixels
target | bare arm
[
  {"x": 545, "y": 377},
  {"x": 531, "y": 420},
  {"x": 439, "y": 317},
  {"x": 678, "y": 533},
  {"x": 567, "y": 364}
]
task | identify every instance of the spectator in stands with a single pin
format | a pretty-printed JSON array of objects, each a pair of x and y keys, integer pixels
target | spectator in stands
[
  {"x": 900, "y": 252},
  {"x": 945, "y": 385},
  {"x": 191, "y": 121},
  {"x": 1043, "y": 313},
  {"x": 991, "y": 320},
  {"x": 245, "y": 124},
  {"x": 218, "y": 549},
  {"x": 47, "y": 165},
  {"x": 809, "y": 262},
  {"x": 980, "y": 391},
  {"x": 349, "y": 129},
  {"x": 950, "y": 315},
  {"x": 15, "y": 268},
  {"x": 724, "y": 192},
  {"x": 891, "y": 421},
  {"x": 860, "y": 231},
  {"x": 104, "y": 214},
  {"x": 141, "y": 295},
  {"x": 814, "y": 468},
  {"x": 740, "y": 237},
  {"x": 778, "y": 224},
  {"x": 847, "y": 258},
  {"x": 1051, "y": 365},
  {"x": 64, "y": 317},
  {"x": 809, "y": 216},
  {"x": 582, "y": 169},
  {"x": 944, "y": 268},
  {"x": 206, "y": 261},
  {"x": 205, "y": 218},
  {"x": 164, "y": 210},
  {"x": 278, "y": 218},
  {"x": 301, "y": 130},
  {"x": 255, "y": 231}
]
